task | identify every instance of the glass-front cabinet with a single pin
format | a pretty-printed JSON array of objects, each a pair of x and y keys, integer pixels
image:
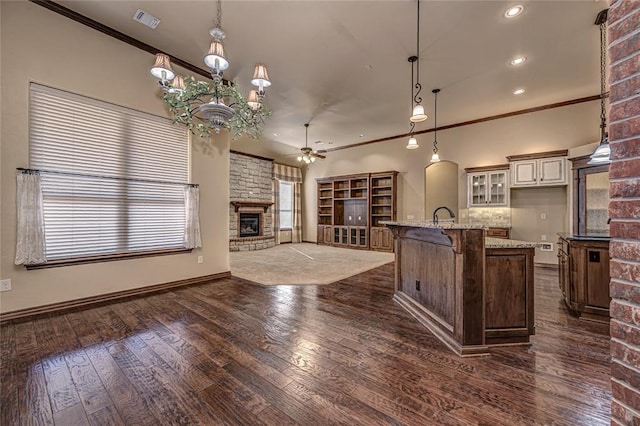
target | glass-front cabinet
[{"x": 488, "y": 188}]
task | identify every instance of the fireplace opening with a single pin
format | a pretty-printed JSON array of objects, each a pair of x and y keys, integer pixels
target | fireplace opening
[{"x": 249, "y": 224}]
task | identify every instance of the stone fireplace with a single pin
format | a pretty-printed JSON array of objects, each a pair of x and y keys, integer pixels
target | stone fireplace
[{"x": 250, "y": 209}]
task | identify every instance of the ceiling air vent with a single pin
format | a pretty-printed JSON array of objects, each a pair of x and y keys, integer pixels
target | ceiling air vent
[{"x": 146, "y": 18}]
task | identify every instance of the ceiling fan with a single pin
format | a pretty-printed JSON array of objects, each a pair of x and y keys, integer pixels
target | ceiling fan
[{"x": 308, "y": 155}]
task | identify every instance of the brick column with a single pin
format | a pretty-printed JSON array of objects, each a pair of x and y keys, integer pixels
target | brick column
[{"x": 624, "y": 209}]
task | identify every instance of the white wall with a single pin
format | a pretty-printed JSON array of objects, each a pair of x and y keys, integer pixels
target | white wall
[
  {"x": 480, "y": 144},
  {"x": 41, "y": 46}
]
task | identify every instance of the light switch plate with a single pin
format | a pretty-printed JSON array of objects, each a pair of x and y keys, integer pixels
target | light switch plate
[{"x": 5, "y": 285}]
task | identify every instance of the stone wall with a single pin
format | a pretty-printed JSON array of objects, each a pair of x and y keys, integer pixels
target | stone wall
[
  {"x": 250, "y": 179},
  {"x": 624, "y": 209}
]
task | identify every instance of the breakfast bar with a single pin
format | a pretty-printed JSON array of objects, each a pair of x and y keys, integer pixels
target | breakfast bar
[{"x": 472, "y": 292}]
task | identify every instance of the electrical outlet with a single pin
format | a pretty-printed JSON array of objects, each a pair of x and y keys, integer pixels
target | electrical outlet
[
  {"x": 417, "y": 285},
  {"x": 543, "y": 216},
  {"x": 200, "y": 259},
  {"x": 543, "y": 237},
  {"x": 546, "y": 247},
  {"x": 5, "y": 285}
]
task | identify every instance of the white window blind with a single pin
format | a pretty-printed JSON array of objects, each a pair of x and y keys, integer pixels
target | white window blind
[
  {"x": 114, "y": 191},
  {"x": 286, "y": 205}
]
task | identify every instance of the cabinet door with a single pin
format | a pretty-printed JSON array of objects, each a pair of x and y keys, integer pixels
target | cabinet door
[
  {"x": 552, "y": 171},
  {"x": 375, "y": 238},
  {"x": 498, "y": 189},
  {"x": 320, "y": 235},
  {"x": 328, "y": 231},
  {"x": 477, "y": 189},
  {"x": 524, "y": 173}
]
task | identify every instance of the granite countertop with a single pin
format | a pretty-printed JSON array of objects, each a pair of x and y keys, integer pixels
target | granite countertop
[
  {"x": 496, "y": 225},
  {"x": 584, "y": 237},
  {"x": 430, "y": 224},
  {"x": 502, "y": 243}
]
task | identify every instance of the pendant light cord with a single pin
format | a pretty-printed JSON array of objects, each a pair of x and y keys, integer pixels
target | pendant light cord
[
  {"x": 417, "y": 99},
  {"x": 435, "y": 121}
]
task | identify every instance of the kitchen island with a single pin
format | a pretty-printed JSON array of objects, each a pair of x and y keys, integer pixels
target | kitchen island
[{"x": 470, "y": 291}]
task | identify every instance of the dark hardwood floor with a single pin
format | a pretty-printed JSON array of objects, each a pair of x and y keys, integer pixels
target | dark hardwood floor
[{"x": 237, "y": 353}]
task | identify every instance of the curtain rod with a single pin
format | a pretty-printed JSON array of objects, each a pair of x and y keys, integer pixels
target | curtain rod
[{"x": 27, "y": 170}]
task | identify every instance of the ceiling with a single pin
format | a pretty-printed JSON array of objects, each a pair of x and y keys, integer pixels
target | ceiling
[{"x": 342, "y": 65}]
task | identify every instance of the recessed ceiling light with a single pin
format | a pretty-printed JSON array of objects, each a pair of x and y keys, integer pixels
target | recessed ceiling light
[
  {"x": 518, "y": 91},
  {"x": 361, "y": 135},
  {"x": 276, "y": 134},
  {"x": 514, "y": 11},
  {"x": 319, "y": 143},
  {"x": 519, "y": 60}
]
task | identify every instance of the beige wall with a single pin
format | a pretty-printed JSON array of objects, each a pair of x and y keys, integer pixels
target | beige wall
[
  {"x": 41, "y": 46},
  {"x": 538, "y": 213},
  {"x": 441, "y": 188},
  {"x": 480, "y": 144}
]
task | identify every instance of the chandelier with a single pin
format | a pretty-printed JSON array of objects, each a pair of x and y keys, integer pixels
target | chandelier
[
  {"x": 204, "y": 106},
  {"x": 602, "y": 154}
]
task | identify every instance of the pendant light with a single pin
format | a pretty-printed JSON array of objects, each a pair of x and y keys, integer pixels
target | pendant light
[
  {"x": 417, "y": 113},
  {"x": 435, "y": 157},
  {"x": 603, "y": 152}
]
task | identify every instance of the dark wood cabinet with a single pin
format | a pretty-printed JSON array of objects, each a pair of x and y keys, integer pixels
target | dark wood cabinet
[
  {"x": 324, "y": 234},
  {"x": 381, "y": 239},
  {"x": 509, "y": 299},
  {"x": 583, "y": 266},
  {"x": 351, "y": 207}
]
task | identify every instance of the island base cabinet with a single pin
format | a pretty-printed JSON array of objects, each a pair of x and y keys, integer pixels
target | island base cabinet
[
  {"x": 509, "y": 290},
  {"x": 584, "y": 277}
]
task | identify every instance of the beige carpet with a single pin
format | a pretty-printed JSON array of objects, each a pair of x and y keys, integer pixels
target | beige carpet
[{"x": 304, "y": 263}]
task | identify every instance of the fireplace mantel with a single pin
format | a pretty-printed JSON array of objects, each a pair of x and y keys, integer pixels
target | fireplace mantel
[{"x": 264, "y": 204}]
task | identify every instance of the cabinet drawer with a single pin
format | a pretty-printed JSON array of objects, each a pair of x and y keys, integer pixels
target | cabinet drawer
[{"x": 498, "y": 233}]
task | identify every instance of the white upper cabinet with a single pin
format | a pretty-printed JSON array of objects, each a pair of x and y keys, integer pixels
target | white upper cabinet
[
  {"x": 487, "y": 188},
  {"x": 544, "y": 169}
]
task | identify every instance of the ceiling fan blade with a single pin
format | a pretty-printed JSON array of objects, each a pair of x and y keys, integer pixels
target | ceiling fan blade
[{"x": 315, "y": 154}]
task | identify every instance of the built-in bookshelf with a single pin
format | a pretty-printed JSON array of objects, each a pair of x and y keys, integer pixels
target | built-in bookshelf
[{"x": 350, "y": 209}]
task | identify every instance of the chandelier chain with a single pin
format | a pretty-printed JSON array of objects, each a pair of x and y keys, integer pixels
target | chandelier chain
[
  {"x": 603, "y": 69},
  {"x": 219, "y": 15}
]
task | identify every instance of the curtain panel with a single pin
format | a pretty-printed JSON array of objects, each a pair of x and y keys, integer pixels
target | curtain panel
[
  {"x": 30, "y": 243},
  {"x": 276, "y": 210},
  {"x": 296, "y": 231},
  {"x": 285, "y": 173},
  {"x": 192, "y": 238}
]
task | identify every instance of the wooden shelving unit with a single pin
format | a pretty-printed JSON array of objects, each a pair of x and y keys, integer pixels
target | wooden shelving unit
[
  {"x": 351, "y": 207},
  {"x": 383, "y": 207}
]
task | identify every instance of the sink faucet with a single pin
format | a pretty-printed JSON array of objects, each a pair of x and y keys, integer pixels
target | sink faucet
[{"x": 435, "y": 215}]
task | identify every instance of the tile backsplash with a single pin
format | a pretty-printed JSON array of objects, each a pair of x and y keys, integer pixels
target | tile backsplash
[{"x": 489, "y": 215}]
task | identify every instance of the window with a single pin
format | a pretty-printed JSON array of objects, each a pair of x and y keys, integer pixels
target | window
[
  {"x": 286, "y": 205},
  {"x": 114, "y": 189}
]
